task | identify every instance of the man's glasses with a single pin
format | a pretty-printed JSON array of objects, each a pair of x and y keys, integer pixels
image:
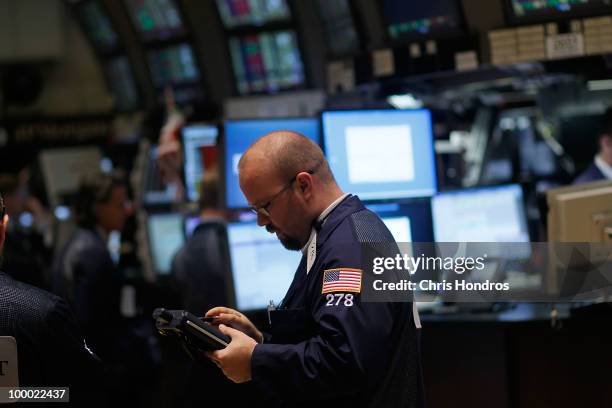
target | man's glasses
[{"x": 264, "y": 209}]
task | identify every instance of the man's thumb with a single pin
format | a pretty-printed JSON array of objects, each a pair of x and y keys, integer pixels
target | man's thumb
[{"x": 228, "y": 331}]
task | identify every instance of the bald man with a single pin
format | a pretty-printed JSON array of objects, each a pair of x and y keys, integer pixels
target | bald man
[{"x": 326, "y": 345}]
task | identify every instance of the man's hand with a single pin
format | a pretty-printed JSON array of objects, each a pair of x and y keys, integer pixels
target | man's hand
[
  {"x": 235, "y": 359},
  {"x": 235, "y": 319}
]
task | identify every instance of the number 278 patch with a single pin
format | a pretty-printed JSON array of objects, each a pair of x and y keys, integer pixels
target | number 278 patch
[{"x": 335, "y": 299}]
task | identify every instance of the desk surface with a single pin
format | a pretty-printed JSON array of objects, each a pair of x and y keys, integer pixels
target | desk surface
[{"x": 508, "y": 313}]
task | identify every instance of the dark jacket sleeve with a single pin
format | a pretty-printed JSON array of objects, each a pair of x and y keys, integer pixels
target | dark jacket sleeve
[
  {"x": 347, "y": 354},
  {"x": 69, "y": 361}
]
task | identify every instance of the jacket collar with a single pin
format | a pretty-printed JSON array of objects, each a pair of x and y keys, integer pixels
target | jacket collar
[{"x": 348, "y": 206}]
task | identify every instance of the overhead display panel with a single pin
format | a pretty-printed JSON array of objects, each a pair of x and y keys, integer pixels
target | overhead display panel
[
  {"x": 98, "y": 27},
  {"x": 236, "y": 13},
  {"x": 268, "y": 61},
  {"x": 411, "y": 20},
  {"x": 121, "y": 82},
  {"x": 342, "y": 37},
  {"x": 175, "y": 66},
  {"x": 156, "y": 20},
  {"x": 532, "y": 11}
]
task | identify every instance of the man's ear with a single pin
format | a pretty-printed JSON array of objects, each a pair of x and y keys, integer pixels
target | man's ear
[{"x": 305, "y": 183}]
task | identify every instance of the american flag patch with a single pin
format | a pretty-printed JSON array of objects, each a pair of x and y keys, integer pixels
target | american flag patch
[{"x": 342, "y": 280}]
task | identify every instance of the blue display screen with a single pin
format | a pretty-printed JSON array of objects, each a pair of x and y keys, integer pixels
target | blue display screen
[
  {"x": 381, "y": 154},
  {"x": 240, "y": 134}
]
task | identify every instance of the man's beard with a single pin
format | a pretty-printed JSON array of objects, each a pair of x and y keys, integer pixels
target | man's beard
[{"x": 290, "y": 243}]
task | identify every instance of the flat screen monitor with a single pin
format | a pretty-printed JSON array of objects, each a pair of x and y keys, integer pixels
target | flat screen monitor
[
  {"x": 98, "y": 26},
  {"x": 532, "y": 11},
  {"x": 122, "y": 84},
  {"x": 155, "y": 19},
  {"x": 342, "y": 37},
  {"x": 240, "y": 134},
  {"x": 236, "y": 13},
  {"x": 267, "y": 61},
  {"x": 407, "y": 222},
  {"x": 488, "y": 215},
  {"x": 173, "y": 65},
  {"x": 262, "y": 269},
  {"x": 381, "y": 154},
  {"x": 411, "y": 225},
  {"x": 201, "y": 155},
  {"x": 166, "y": 235},
  {"x": 409, "y": 20}
]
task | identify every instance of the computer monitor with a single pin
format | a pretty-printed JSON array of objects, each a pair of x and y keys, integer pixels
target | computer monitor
[
  {"x": 236, "y": 13},
  {"x": 488, "y": 215},
  {"x": 262, "y": 269},
  {"x": 122, "y": 84},
  {"x": 411, "y": 226},
  {"x": 155, "y": 19},
  {"x": 201, "y": 155},
  {"x": 532, "y": 11},
  {"x": 381, "y": 154},
  {"x": 431, "y": 18},
  {"x": 408, "y": 222},
  {"x": 97, "y": 26},
  {"x": 267, "y": 61},
  {"x": 166, "y": 235},
  {"x": 240, "y": 134}
]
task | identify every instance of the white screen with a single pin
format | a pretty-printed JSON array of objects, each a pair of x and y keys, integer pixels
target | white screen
[
  {"x": 487, "y": 215},
  {"x": 380, "y": 154},
  {"x": 262, "y": 268},
  {"x": 166, "y": 236},
  {"x": 399, "y": 227}
]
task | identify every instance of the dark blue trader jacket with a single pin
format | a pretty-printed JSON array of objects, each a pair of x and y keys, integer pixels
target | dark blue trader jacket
[{"x": 347, "y": 352}]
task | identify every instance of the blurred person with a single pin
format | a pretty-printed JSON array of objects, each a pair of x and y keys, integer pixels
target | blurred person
[
  {"x": 200, "y": 268},
  {"x": 84, "y": 272},
  {"x": 26, "y": 254},
  {"x": 601, "y": 168},
  {"x": 51, "y": 350}
]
